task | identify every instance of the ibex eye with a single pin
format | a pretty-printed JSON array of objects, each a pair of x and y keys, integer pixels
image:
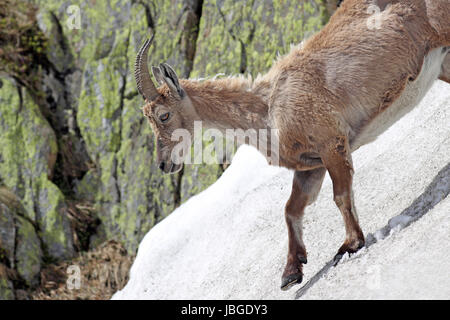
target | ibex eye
[{"x": 164, "y": 117}]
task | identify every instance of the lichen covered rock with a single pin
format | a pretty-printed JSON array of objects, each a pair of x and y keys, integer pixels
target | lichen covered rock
[
  {"x": 6, "y": 286},
  {"x": 28, "y": 153},
  {"x": 20, "y": 246},
  {"x": 245, "y": 36}
]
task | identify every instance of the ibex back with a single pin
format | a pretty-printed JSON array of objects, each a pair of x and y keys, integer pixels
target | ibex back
[{"x": 370, "y": 65}]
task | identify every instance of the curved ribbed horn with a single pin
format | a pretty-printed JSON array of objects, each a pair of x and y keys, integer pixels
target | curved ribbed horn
[{"x": 144, "y": 83}]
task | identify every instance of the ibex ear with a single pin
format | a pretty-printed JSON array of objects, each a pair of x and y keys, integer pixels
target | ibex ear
[
  {"x": 158, "y": 75},
  {"x": 171, "y": 79}
]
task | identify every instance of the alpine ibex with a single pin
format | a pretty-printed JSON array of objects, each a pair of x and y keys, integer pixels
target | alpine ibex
[{"x": 341, "y": 89}]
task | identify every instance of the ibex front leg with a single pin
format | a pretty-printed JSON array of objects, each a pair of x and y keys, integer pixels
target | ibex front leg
[
  {"x": 305, "y": 187},
  {"x": 338, "y": 162}
]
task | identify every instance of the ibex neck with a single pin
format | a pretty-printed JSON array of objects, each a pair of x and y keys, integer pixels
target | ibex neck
[{"x": 227, "y": 104}]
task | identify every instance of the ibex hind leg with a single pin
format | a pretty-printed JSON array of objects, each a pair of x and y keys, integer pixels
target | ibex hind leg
[
  {"x": 339, "y": 165},
  {"x": 305, "y": 188}
]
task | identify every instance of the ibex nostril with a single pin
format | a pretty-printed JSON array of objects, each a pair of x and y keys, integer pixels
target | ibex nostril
[{"x": 162, "y": 165}]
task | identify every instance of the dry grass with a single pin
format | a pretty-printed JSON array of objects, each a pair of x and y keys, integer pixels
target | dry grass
[
  {"x": 22, "y": 43},
  {"x": 84, "y": 222},
  {"x": 103, "y": 272}
]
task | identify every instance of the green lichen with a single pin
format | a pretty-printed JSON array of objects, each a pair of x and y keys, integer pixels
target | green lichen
[
  {"x": 28, "y": 148},
  {"x": 55, "y": 229},
  {"x": 6, "y": 287},
  {"x": 23, "y": 253},
  {"x": 99, "y": 108},
  {"x": 28, "y": 252},
  {"x": 266, "y": 28}
]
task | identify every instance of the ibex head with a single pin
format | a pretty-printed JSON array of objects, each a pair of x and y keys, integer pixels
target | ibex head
[{"x": 167, "y": 108}]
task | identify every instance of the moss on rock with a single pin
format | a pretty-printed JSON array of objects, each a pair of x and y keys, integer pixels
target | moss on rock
[
  {"x": 19, "y": 242},
  {"x": 245, "y": 36},
  {"x": 6, "y": 285},
  {"x": 28, "y": 148}
]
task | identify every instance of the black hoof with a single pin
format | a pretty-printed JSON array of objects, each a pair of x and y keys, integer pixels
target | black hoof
[
  {"x": 343, "y": 250},
  {"x": 337, "y": 258},
  {"x": 289, "y": 281}
]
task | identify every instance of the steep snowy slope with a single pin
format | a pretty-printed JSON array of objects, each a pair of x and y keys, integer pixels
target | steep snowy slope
[
  {"x": 412, "y": 264},
  {"x": 230, "y": 241}
]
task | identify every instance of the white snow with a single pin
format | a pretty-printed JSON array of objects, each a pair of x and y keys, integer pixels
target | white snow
[
  {"x": 230, "y": 241},
  {"x": 412, "y": 264}
]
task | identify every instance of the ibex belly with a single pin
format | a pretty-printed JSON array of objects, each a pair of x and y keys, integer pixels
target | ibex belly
[{"x": 410, "y": 97}]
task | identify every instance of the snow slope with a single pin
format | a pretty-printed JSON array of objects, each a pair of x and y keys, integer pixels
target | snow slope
[
  {"x": 230, "y": 241},
  {"x": 412, "y": 264}
]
